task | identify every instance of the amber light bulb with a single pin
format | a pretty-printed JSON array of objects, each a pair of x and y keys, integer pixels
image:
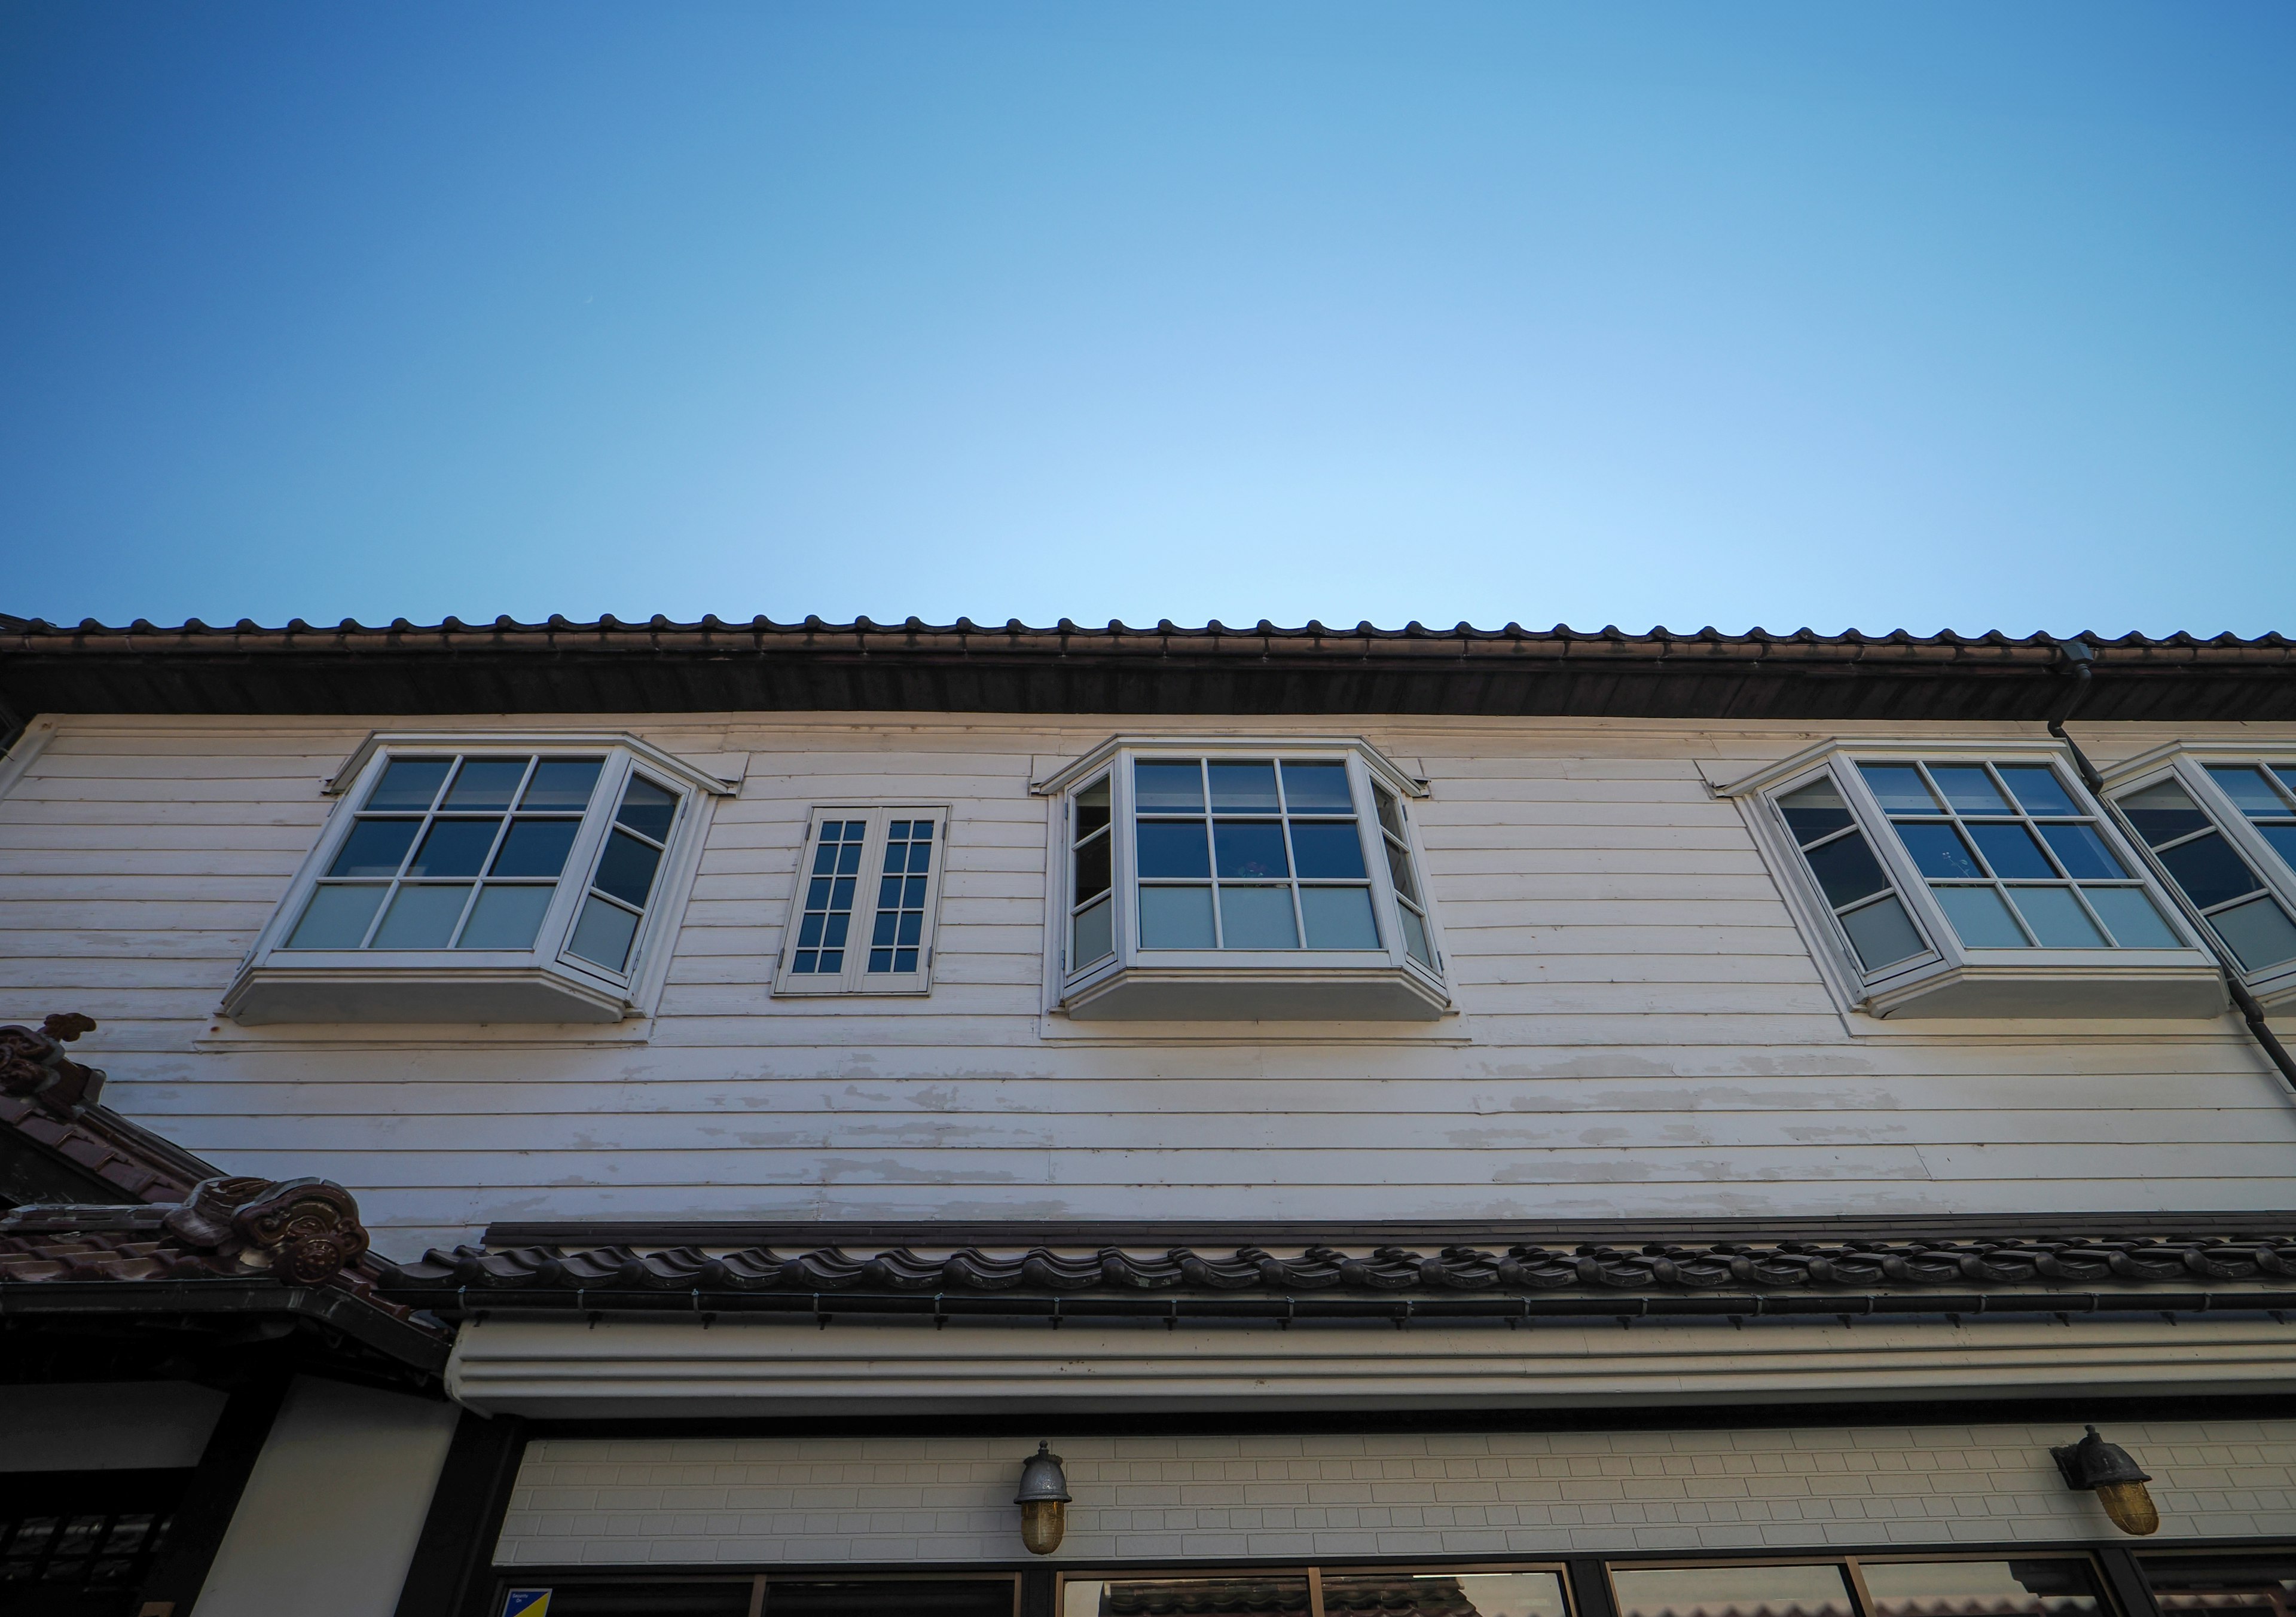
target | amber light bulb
[
  {"x": 1044, "y": 1521},
  {"x": 2129, "y": 1508}
]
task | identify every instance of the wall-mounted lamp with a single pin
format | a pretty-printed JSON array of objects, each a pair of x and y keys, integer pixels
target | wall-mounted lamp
[
  {"x": 2093, "y": 1463},
  {"x": 1044, "y": 1500}
]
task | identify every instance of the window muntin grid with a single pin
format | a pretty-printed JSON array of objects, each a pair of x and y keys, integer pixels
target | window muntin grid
[
  {"x": 833, "y": 875},
  {"x": 1410, "y": 907},
  {"x": 1092, "y": 876},
  {"x": 896, "y": 939},
  {"x": 462, "y": 850},
  {"x": 1260, "y": 854},
  {"x": 624, "y": 877},
  {"x": 1857, "y": 893},
  {"x": 2011, "y": 858},
  {"x": 2213, "y": 874},
  {"x": 2266, "y": 795}
]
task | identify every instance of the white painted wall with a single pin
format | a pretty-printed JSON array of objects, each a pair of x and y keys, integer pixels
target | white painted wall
[
  {"x": 775, "y": 1501},
  {"x": 1643, "y": 1033},
  {"x": 124, "y": 1425},
  {"x": 331, "y": 1512}
]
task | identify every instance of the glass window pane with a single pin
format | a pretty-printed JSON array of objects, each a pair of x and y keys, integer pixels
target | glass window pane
[
  {"x": 648, "y": 810},
  {"x": 1168, "y": 787},
  {"x": 1092, "y": 867},
  {"x": 1847, "y": 869},
  {"x": 2162, "y": 812},
  {"x": 1390, "y": 810},
  {"x": 1274, "y": 1595},
  {"x": 626, "y": 869},
  {"x": 2129, "y": 914},
  {"x": 409, "y": 783},
  {"x": 1333, "y": 851},
  {"x": 336, "y": 918},
  {"x": 1245, "y": 788},
  {"x": 1980, "y": 916},
  {"x": 2082, "y": 852},
  {"x": 2258, "y": 1583},
  {"x": 454, "y": 847},
  {"x": 1250, "y": 847},
  {"x": 2055, "y": 917},
  {"x": 2286, "y": 774},
  {"x": 1415, "y": 939},
  {"x": 1815, "y": 810},
  {"x": 2038, "y": 789},
  {"x": 2039, "y": 1587},
  {"x": 2209, "y": 872},
  {"x": 421, "y": 918},
  {"x": 1176, "y": 918},
  {"x": 1443, "y": 1594},
  {"x": 1712, "y": 1591},
  {"x": 1900, "y": 787},
  {"x": 1337, "y": 917},
  {"x": 1882, "y": 934},
  {"x": 1399, "y": 867},
  {"x": 2012, "y": 852},
  {"x": 562, "y": 783},
  {"x": 1938, "y": 849},
  {"x": 2282, "y": 841},
  {"x": 2251, "y": 793},
  {"x": 2258, "y": 931},
  {"x": 536, "y": 847},
  {"x": 505, "y": 917},
  {"x": 375, "y": 847},
  {"x": 1968, "y": 789},
  {"x": 1095, "y": 936},
  {"x": 1258, "y": 918},
  {"x": 1092, "y": 808},
  {"x": 604, "y": 932},
  {"x": 1170, "y": 847},
  {"x": 1317, "y": 788},
  {"x": 484, "y": 783}
]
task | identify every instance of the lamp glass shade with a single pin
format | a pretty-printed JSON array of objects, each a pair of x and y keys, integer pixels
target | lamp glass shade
[
  {"x": 1043, "y": 1521},
  {"x": 2130, "y": 1506}
]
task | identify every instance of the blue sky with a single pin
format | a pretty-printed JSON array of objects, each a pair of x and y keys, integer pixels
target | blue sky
[{"x": 1921, "y": 316}]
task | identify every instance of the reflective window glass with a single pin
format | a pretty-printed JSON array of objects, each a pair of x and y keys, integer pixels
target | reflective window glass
[
  {"x": 2042, "y": 1587},
  {"x": 1819, "y": 1590}
]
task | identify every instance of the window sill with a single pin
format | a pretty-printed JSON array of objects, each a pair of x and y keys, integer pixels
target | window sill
[
  {"x": 273, "y": 994},
  {"x": 2171, "y": 986},
  {"x": 1381, "y": 992}
]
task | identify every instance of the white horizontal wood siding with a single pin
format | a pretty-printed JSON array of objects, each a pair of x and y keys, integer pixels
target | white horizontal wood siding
[
  {"x": 1642, "y": 1029},
  {"x": 798, "y": 1502}
]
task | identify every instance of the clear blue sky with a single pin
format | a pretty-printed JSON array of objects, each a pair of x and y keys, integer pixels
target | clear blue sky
[{"x": 1924, "y": 316}]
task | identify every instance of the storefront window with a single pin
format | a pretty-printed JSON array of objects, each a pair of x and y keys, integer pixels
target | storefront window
[
  {"x": 1818, "y": 1590},
  {"x": 2255, "y": 1585},
  {"x": 1274, "y": 1596},
  {"x": 1998, "y": 1588}
]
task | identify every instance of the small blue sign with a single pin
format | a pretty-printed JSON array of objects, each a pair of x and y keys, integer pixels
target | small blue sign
[{"x": 527, "y": 1603}]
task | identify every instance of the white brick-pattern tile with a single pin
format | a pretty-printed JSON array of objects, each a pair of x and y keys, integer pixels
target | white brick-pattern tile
[{"x": 777, "y": 1501}]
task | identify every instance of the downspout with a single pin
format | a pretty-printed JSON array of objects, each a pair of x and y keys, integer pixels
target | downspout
[{"x": 2079, "y": 657}]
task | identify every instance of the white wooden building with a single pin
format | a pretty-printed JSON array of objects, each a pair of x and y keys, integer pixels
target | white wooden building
[{"x": 1582, "y": 1126}]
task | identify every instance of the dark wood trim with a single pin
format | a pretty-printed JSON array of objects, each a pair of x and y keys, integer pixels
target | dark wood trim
[
  {"x": 453, "y": 1570},
  {"x": 2130, "y": 1592},
  {"x": 1037, "y": 1585},
  {"x": 1590, "y": 1586},
  {"x": 212, "y": 1498}
]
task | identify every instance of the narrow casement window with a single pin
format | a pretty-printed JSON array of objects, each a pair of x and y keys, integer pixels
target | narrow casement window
[
  {"x": 861, "y": 918},
  {"x": 2013, "y": 860},
  {"x": 2211, "y": 873},
  {"x": 625, "y": 876},
  {"x": 1410, "y": 907},
  {"x": 1092, "y": 914},
  {"x": 454, "y": 852},
  {"x": 1856, "y": 889}
]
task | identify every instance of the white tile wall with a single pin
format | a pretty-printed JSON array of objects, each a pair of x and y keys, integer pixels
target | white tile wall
[{"x": 773, "y": 1501}]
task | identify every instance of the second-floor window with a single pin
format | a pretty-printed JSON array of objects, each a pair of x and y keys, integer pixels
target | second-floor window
[
  {"x": 2225, "y": 830},
  {"x": 868, "y": 886}
]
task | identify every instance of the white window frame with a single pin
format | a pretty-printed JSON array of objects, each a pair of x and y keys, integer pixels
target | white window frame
[
  {"x": 1948, "y": 979},
  {"x": 855, "y": 977},
  {"x": 545, "y": 983},
  {"x": 1385, "y": 983},
  {"x": 2273, "y": 986}
]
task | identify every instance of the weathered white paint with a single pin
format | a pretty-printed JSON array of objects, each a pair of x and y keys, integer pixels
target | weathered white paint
[
  {"x": 110, "y": 1426},
  {"x": 782, "y": 1501},
  {"x": 331, "y": 1513},
  {"x": 550, "y": 1368},
  {"x": 1642, "y": 1031}
]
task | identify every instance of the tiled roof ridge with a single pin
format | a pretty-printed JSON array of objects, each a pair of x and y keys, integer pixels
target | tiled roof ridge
[
  {"x": 402, "y": 632},
  {"x": 1783, "y": 1266},
  {"x": 51, "y": 1100}
]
